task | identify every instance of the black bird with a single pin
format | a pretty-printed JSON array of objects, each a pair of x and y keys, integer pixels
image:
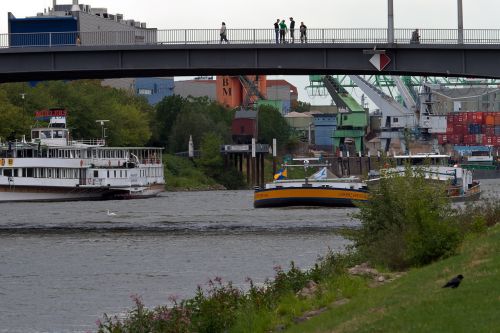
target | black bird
[{"x": 455, "y": 282}]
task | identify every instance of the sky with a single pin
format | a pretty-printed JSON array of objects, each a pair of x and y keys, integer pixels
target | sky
[{"x": 208, "y": 14}]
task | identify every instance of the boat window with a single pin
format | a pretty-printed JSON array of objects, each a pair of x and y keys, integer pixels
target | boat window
[
  {"x": 108, "y": 173},
  {"x": 121, "y": 174},
  {"x": 395, "y": 120},
  {"x": 35, "y": 135},
  {"x": 29, "y": 172},
  {"x": 96, "y": 173},
  {"x": 115, "y": 174}
]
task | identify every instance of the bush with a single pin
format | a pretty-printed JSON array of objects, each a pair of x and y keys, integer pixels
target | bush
[{"x": 406, "y": 222}]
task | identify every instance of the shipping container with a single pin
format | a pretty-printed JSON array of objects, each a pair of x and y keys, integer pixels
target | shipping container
[
  {"x": 489, "y": 119},
  {"x": 488, "y": 140},
  {"x": 488, "y": 130},
  {"x": 456, "y": 138},
  {"x": 479, "y": 117},
  {"x": 442, "y": 139}
]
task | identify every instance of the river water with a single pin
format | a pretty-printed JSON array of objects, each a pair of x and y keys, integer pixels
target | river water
[{"x": 62, "y": 265}]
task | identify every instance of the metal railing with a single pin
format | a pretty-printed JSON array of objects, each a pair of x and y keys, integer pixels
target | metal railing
[{"x": 246, "y": 36}]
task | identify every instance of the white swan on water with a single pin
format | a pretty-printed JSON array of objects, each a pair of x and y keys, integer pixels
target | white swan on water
[{"x": 111, "y": 213}]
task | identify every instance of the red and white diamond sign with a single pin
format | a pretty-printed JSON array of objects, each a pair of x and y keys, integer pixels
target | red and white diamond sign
[{"x": 380, "y": 61}]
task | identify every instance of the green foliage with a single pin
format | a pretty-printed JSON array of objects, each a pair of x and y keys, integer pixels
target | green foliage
[
  {"x": 212, "y": 163},
  {"x": 406, "y": 222},
  {"x": 196, "y": 117},
  {"x": 14, "y": 122},
  {"x": 182, "y": 173},
  {"x": 86, "y": 102},
  {"x": 417, "y": 303},
  {"x": 302, "y": 107},
  {"x": 215, "y": 310},
  {"x": 272, "y": 125},
  {"x": 164, "y": 117},
  {"x": 225, "y": 308}
]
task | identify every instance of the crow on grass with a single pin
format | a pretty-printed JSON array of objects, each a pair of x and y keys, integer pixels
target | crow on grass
[{"x": 455, "y": 282}]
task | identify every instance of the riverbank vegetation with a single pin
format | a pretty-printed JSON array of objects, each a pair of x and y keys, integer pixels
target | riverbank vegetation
[
  {"x": 423, "y": 242},
  {"x": 133, "y": 122}
]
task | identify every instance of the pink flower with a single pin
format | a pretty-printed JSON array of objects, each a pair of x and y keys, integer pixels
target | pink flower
[
  {"x": 136, "y": 299},
  {"x": 98, "y": 323},
  {"x": 173, "y": 298}
]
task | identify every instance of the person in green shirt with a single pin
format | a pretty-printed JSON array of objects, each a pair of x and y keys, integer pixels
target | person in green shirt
[{"x": 283, "y": 30}]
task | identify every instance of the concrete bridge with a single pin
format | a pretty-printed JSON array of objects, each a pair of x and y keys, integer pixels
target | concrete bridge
[{"x": 77, "y": 55}]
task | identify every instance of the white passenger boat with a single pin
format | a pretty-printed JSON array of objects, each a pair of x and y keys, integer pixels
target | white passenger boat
[{"x": 52, "y": 167}]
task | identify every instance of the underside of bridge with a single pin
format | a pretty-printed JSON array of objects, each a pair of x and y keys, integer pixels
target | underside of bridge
[{"x": 54, "y": 63}]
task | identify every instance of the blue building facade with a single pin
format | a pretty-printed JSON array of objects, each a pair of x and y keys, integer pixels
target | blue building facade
[
  {"x": 35, "y": 31},
  {"x": 325, "y": 125},
  {"x": 154, "y": 89}
]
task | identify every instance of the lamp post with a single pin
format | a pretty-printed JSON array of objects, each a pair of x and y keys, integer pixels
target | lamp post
[
  {"x": 103, "y": 129},
  {"x": 460, "y": 22},
  {"x": 390, "y": 25}
]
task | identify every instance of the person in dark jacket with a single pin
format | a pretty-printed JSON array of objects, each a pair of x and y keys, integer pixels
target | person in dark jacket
[
  {"x": 292, "y": 29},
  {"x": 303, "y": 32},
  {"x": 223, "y": 33},
  {"x": 415, "y": 37},
  {"x": 277, "y": 30},
  {"x": 283, "y": 30}
]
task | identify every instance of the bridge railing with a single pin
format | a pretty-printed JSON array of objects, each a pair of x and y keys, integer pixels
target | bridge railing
[{"x": 246, "y": 36}]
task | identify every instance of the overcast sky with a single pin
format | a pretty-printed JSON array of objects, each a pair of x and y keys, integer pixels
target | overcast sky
[{"x": 168, "y": 14}]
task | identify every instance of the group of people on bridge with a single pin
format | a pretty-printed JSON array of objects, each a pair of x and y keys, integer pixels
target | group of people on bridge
[{"x": 281, "y": 30}]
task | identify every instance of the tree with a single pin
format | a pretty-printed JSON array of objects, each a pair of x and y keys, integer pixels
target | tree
[
  {"x": 86, "y": 102},
  {"x": 272, "y": 125},
  {"x": 14, "y": 123},
  {"x": 164, "y": 118},
  {"x": 213, "y": 165},
  {"x": 302, "y": 107},
  {"x": 406, "y": 221}
]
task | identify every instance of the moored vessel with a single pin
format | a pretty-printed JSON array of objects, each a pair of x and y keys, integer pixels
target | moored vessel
[
  {"x": 52, "y": 167},
  {"x": 460, "y": 185},
  {"x": 316, "y": 190}
]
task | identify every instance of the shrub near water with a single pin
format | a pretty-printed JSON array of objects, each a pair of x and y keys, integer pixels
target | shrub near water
[{"x": 406, "y": 222}]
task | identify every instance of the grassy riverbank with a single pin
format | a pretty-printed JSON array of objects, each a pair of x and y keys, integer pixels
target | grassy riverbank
[{"x": 417, "y": 303}]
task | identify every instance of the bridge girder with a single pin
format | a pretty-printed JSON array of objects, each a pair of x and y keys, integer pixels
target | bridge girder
[{"x": 25, "y": 64}]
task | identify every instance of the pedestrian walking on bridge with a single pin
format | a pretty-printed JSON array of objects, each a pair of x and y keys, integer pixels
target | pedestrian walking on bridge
[
  {"x": 303, "y": 32},
  {"x": 223, "y": 33}
]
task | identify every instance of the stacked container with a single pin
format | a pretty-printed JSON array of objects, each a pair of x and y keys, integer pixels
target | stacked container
[{"x": 472, "y": 128}]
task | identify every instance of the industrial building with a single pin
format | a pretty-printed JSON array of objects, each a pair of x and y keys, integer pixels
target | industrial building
[
  {"x": 198, "y": 87},
  {"x": 77, "y": 24},
  {"x": 154, "y": 89}
]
